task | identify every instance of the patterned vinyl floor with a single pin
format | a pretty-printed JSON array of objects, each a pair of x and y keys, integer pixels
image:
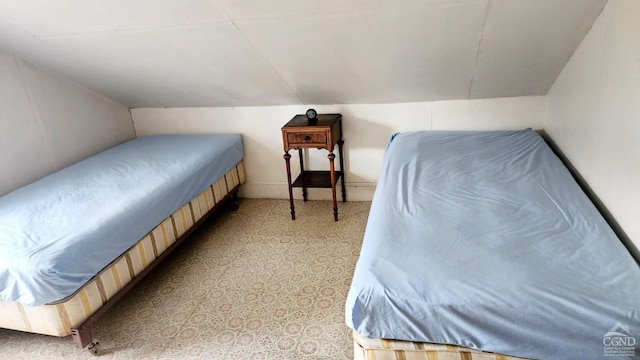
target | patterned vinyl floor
[{"x": 250, "y": 284}]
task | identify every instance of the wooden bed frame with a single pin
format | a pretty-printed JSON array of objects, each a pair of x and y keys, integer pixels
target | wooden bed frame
[{"x": 82, "y": 336}]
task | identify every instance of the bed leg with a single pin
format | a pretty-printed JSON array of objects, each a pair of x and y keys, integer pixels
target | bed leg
[
  {"x": 82, "y": 338},
  {"x": 235, "y": 204}
]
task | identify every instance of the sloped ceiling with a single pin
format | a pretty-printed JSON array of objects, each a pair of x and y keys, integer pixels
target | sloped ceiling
[{"x": 210, "y": 53}]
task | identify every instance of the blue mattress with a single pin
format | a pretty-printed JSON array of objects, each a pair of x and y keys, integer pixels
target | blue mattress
[
  {"x": 484, "y": 240},
  {"x": 60, "y": 231}
]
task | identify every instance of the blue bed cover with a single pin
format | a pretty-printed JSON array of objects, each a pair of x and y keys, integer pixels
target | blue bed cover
[
  {"x": 484, "y": 240},
  {"x": 59, "y": 232}
]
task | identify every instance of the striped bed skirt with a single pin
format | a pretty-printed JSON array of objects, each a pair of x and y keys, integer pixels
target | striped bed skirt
[
  {"x": 57, "y": 319},
  {"x": 383, "y": 349}
]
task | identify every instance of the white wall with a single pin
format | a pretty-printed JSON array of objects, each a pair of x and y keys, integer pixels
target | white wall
[
  {"x": 594, "y": 112},
  {"x": 366, "y": 128},
  {"x": 47, "y": 123}
]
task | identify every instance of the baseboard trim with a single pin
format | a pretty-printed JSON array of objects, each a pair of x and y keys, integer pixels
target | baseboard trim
[{"x": 278, "y": 190}]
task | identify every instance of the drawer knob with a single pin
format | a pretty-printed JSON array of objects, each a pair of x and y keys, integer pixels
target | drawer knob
[{"x": 307, "y": 138}]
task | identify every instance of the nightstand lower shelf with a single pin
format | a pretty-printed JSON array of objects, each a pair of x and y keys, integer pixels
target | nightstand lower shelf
[{"x": 316, "y": 179}]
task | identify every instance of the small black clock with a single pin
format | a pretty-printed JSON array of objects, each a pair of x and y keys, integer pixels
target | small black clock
[{"x": 312, "y": 117}]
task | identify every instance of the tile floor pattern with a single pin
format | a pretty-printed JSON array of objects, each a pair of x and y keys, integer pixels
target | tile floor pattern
[{"x": 250, "y": 284}]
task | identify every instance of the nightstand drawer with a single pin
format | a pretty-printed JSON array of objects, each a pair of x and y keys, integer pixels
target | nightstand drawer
[{"x": 308, "y": 139}]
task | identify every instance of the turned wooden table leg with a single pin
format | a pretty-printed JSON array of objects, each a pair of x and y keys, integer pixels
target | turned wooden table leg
[
  {"x": 344, "y": 190},
  {"x": 304, "y": 189},
  {"x": 287, "y": 161},
  {"x": 332, "y": 172}
]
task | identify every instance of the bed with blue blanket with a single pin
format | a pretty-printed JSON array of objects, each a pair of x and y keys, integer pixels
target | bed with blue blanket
[
  {"x": 482, "y": 243},
  {"x": 76, "y": 239}
]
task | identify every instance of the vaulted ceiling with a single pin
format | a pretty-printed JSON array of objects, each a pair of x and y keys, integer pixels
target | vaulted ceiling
[{"x": 179, "y": 53}]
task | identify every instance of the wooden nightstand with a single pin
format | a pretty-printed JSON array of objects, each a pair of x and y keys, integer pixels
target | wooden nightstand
[{"x": 298, "y": 134}]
